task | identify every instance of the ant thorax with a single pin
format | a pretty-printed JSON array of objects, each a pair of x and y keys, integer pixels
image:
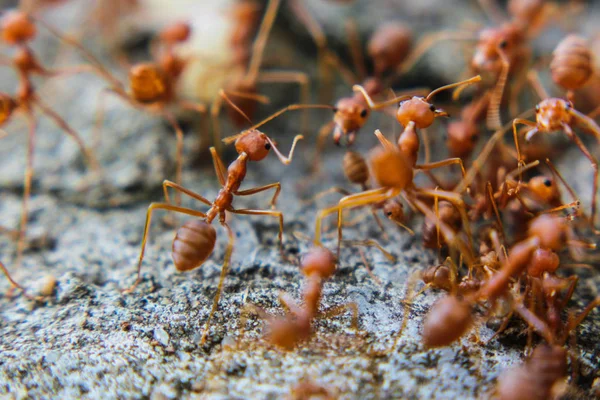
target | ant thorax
[{"x": 552, "y": 114}]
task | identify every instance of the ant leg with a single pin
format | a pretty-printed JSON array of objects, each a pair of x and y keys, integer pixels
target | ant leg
[
  {"x": 458, "y": 202},
  {"x": 179, "y": 152},
  {"x": 535, "y": 322},
  {"x": 355, "y": 47},
  {"x": 62, "y": 124},
  {"x": 220, "y": 169},
  {"x": 277, "y": 214},
  {"x": 569, "y": 132},
  {"x": 215, "y": 111},
  {"x": 151, "y": 208},
  {"x": 260, "y": 42},
  {"x": 575, "y": 322},
  {"x": 492, "y": 200},
  {"x": 443, "y": 163},
  {"x": 335, "y": 189},
  {"x": 169, "y": 184},
  {"x": 248, "y": 192},
  {"x": 26, "y": 186},
  {"x": 202, "y": 110},
  {"x": 449, "y": 235},
  {"x": 291, "y": 107},
  {"x": 355, "y": 200},
  {"x": 224, "y": 270},
  {"x": 502, "y": 328},
  {"x": 521, "y": 160},
  {"x": 371, "y": 243},
  {"x": 324, "y": 132},
  {"x": 368, "y": 267},
  {"x": 302, "y": 79},
  {"x": 18, "y": 286}
]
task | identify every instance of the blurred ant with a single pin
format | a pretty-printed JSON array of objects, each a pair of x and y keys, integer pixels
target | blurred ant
[
  {"x": 554, "y": 114},
  {"x": 195, "y": 240},
  {"x": 242, "y": 83},
  {"x": 451, "y": 317},
  {"x": 18, "y": 29},
  {"x": 152, "y": 87},
  {"x": 296, "y": 326},
  {"x": 307, "y": 389},
  {"x": 538, "y": 377}
]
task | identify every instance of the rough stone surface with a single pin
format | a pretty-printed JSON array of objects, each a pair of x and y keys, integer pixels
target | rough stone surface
[{"x": 91, "y": 341}]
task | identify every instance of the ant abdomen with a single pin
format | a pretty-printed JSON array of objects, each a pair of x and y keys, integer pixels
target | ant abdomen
[
  {"x": 572, "y": 64},
  {"x": 542, "y": 260},
  {"x": 193, "y": 244},
  {"x": 446, "y": 322},
  {"x": 355, "y": 168},
  {"x": 147, "y": 82},
  {"x": 438, "y": 276}
]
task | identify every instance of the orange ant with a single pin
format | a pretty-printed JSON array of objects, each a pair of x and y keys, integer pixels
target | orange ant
[
  {"x": 538, "y": 377},
  {"x": 555, "y": 114},
  {"x": 195, "y": 240},
  {"x": 451, "y": 317},
  {"x": 152, "y": 87},
  {"x": 392, "y": 171},
  {"x": 19, "y": 29},
  {"x": 243, "y": 83},
  {"x": 297, "y": 325}
]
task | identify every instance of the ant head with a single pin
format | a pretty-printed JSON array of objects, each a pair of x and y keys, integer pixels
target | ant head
[
  {"x": 319, "y": 262},
  {"x": 543, "y": 260},
  {"x": 350, "y": 115},
  {"x": 254, "y": 143},
  {"x": 355, "y": 167},
  {"x": 177, "y": 32},
  {"x": 147, "y": 82},
  {"x": 544, "y": 187},
  {"x": 394, "y": 210},
  {"x": 390, "y": 168},
  {"x": 17, "y": 27},
  {"x": 447, "y": 320},
  {"x": 552, "y": 113},
  {"x": 462, "y": 138},
  {"x": 7, "y": 107},
  {"x": 551, "y": 230},
  {"x": 493, "y": 42},
  {"x": 419, "y": 111}
]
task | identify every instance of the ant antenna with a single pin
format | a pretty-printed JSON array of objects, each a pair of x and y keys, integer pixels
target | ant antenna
[{"x": 469, "y": 81}]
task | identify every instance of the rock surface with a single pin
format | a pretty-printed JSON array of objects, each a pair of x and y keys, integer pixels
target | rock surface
[{"x": 91, "y": 341}]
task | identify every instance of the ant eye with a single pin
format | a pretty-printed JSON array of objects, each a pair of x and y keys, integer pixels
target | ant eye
[
  {"x": 474, "y": 138},
  {"x": 335, "y": 110},
  {"x": 503, "y": 44},
  {"x": 268, "y": 146},
  {"x": 548, "y": 182},
  {"x": 363, "y": 113},
  {"x": 389, "y": 214},
  {"x": 432, "y": 107}
]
